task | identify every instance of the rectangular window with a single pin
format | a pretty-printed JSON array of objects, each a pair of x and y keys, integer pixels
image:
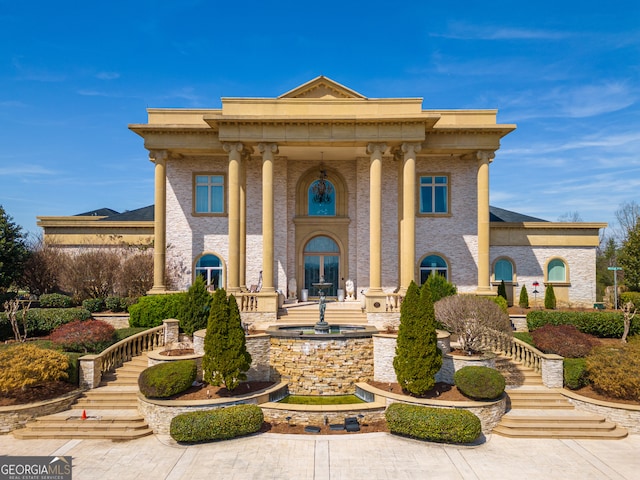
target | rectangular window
[
  {"x": 434, "y": 194},
  {"x": 209, "y": 193}
]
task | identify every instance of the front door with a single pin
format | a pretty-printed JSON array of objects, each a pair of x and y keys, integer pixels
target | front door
[{"x": 321, "y": 260}]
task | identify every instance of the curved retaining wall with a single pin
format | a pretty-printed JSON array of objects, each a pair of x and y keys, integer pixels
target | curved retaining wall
[
  {"x": 627, "y": 416},
  {"x": 489, "y": 412},
  {"x": 15, "y": 416},
  {"x": 159, "y": 413}
]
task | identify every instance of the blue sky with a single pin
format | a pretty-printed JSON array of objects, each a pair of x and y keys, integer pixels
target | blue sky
[{"x": 74, "y": 74}]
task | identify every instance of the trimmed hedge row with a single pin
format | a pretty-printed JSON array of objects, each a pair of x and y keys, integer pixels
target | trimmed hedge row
[
  {"x": 167, "y": 379},
  {"x": 219, "y": 424},
  {"x": 42, "y": 321},
  {"x": 150, "y": 311},
  {"x": 479, "y": 382},
  {"x": 444, "y": 425},
  {"x": 599, "y": 324}
]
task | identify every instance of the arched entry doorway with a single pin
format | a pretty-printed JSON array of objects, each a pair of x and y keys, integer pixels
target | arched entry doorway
[{"x": 321, "y": 259}]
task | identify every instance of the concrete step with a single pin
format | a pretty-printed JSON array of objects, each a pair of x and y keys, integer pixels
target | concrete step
[
  {"x": 87, "y": 433},
  {"x": 613, "y": 433}
]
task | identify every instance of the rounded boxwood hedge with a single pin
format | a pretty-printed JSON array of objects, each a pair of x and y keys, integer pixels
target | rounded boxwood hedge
[
  {"x": 444, "y": 425},
  {"x": 167, "y": 379},
  {"x": 219, "y": 424},
  {"x": 479, "y": 383}
]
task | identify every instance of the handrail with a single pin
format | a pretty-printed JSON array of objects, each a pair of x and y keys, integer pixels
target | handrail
[
  {"x": 123, "y": 351},
  {"x": 516, "y": 349},
  {"x": 247, "y": 301},
  {"x": 393, "y": 302}
]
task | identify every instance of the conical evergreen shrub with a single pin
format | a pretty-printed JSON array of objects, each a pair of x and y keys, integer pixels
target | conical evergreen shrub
[
  {"x": 225, "y": 353},
  {"x": 549, "y": 298},
  {"x": 417, "y": 357},
  {"x": 524, "y": 298},
  {"x": 502, "y": 290},
  {"x": 195, "y": 307}
]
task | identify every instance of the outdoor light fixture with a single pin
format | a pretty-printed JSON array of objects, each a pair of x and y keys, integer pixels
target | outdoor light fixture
[{"x": 321, "y": 189}]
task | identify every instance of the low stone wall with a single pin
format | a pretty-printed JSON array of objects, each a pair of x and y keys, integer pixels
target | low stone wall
[
  {"x": 323, "y": 365},
  {"x": 258, "y": 346},
  {"x": 452, "y": 363},
  {"x": 277, "y": 413},
  {"x": 519, "y": 322},
  {"x": 16, "y": 416},
  {"x": 627, "y": 416},
  {"x": 116, "y": 320},
  {"x": 489, "y": 412},
  {"x": 159, "y": 413}
]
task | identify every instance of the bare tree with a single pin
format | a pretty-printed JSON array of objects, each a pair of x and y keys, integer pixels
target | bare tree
[
  {"x": 42, "y": 269},
  {"x": 471, "y": 318},
  {"x": 571, "y": 217},
  {"x": 628, "y": 216},
  {"x": 629, "y": 311},
  {"x": 92, "y": 274},
  {"x": 12, "y": 307},
  {"x": 136, "y": 278}
]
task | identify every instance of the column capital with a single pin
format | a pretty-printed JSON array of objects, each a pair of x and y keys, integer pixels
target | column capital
[
  {"x": 267, "y": 148},
  {"x": 158, "y": 155},
  {"x": 372, "y": 148},
  {"x": 233, "y": 147},
  {"x": 486, "y": 155},
  {"x": 409, "y": 148}
]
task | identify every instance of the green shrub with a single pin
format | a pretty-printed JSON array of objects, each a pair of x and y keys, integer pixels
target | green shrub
[
  {"x": 25, "y": 365},
  {"x": 167, "y": 379},
  {"x": 525, "y": 337},
  {"x": 118, "y": 304},
  {"x": 615, "y": 370},
  {"x": 42, "y": 321},
  {"x": 598, "y": 324},
  {"x": 73, "y": 371},
  {"x": 195, "y": 308},
  {"x": 633, "y": 297},
  {"x": 501, "y": 302},
  {"x": 564, "y": 340},
  {"x": 94, "y": 305},
  {"x": 575, "y": 373},
  {"x": 85, "y": 336},
  {"x": 524, "y": 298},
  {"x": 152, "y": 310},
  {"x": 219, "y": 424},
  {"x": 443, "y": 425},
  {"x": 439, "y": 287},
  {"x": 480, "y": 383},
  {"x": 122, "y": 333},
  {"x": 55, "y": 300},
  {"x": 549, "y": 298},
  {"x": 502, "y": 290}
]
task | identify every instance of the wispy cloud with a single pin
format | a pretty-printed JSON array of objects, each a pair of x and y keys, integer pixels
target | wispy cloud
[
  {"x": 21, "y": 170},
  {"x": 107, "y": 75},
  {"x": 12, "y": 104},
  {"x": 466, "y": 31}
]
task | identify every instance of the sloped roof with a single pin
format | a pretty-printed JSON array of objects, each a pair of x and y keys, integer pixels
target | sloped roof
[
  {"x": 501, "y": 215},
  {"x": 100, "y": 212},
  {"x": 322, "y": 87},
  {"x": 144, "y": 214}
]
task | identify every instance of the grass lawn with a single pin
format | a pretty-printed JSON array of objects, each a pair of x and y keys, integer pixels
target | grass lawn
[{"x": 321, "y": 399}]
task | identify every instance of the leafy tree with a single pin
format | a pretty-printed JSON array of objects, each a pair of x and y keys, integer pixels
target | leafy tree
[
  {"x": 417, "y": 357},
  {"x": 502, "y": 290},
  {"x": 195, "y": 308},
  {"x": 440, "y": 287},
  {"x": 225, "y": 352},
  {"x": 549, "y": 298},
  {"x": 630, "y": 259},
  {"x": 13, "y": 250},
  {"x": 524, "y": 298}
]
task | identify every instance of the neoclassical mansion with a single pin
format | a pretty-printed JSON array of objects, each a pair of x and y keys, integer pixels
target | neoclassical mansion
[{"x": 273, "y": 194}]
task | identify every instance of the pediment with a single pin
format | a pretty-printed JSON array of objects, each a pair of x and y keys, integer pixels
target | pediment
[{"x": 322, "y": 87}]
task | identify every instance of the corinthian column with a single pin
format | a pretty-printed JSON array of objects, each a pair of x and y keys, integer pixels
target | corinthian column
[
  {"x": 484, "y": 276},
  {"x": 159, "y": 157},
  {"x": 408, "y": 222},
  {"x": 233, "y": 267},
  {"x": 375, "y": 150},
  {"x": 267, "y": 150}
]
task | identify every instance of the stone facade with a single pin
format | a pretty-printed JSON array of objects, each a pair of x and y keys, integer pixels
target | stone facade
[
  {"x": 627, "y": 416},
  {"x": 320, "y": 366}
]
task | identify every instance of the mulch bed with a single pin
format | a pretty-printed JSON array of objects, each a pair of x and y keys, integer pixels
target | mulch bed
[
  {"x": 206, "y": 391},
  {"x": 441, "y": 391},
  {"x": 38, "y": 393}
]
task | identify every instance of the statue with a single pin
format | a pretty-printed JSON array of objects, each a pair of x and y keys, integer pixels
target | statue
[
  {"x": 323, "y": 307},
  {"x": 350, "y": 288},
  {"x": 292, "y": 290}
]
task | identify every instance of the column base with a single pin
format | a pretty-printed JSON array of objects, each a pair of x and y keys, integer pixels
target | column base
[
  {"x": 485, "y": 292},
  {"x": 158, "y": 290}
]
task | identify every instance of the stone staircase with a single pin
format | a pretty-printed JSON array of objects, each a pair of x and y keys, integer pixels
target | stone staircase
[
  {"x": 535, "y": 411},
  {"x": 111, "y": 410},
  {"x": 307, "y": 313}
]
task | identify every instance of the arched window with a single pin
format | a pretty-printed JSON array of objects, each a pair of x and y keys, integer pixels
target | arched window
[
  {"x": 433, "y": 264},
  {"x": 556, "y": 271},
  {"x": 322, "y": 198},
  {"x": 210, "y": 268},
  {"x": 503, "y": 271}
]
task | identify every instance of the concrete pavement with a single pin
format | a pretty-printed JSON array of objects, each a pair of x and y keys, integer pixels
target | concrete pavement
[{"x": 353, "y": 457}]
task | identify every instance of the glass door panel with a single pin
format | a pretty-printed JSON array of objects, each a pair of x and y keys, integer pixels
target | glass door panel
[
  {"x": 331, "y": 272},
  {"x": 311, "y": 273}
]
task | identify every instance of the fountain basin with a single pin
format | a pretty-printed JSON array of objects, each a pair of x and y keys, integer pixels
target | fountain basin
[{"x": 335, "y": 331}]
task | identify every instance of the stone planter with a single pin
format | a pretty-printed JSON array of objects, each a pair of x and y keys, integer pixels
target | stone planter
[
  {"x": 155, "y": 357},
  {"x": 452, "y": 363}
]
